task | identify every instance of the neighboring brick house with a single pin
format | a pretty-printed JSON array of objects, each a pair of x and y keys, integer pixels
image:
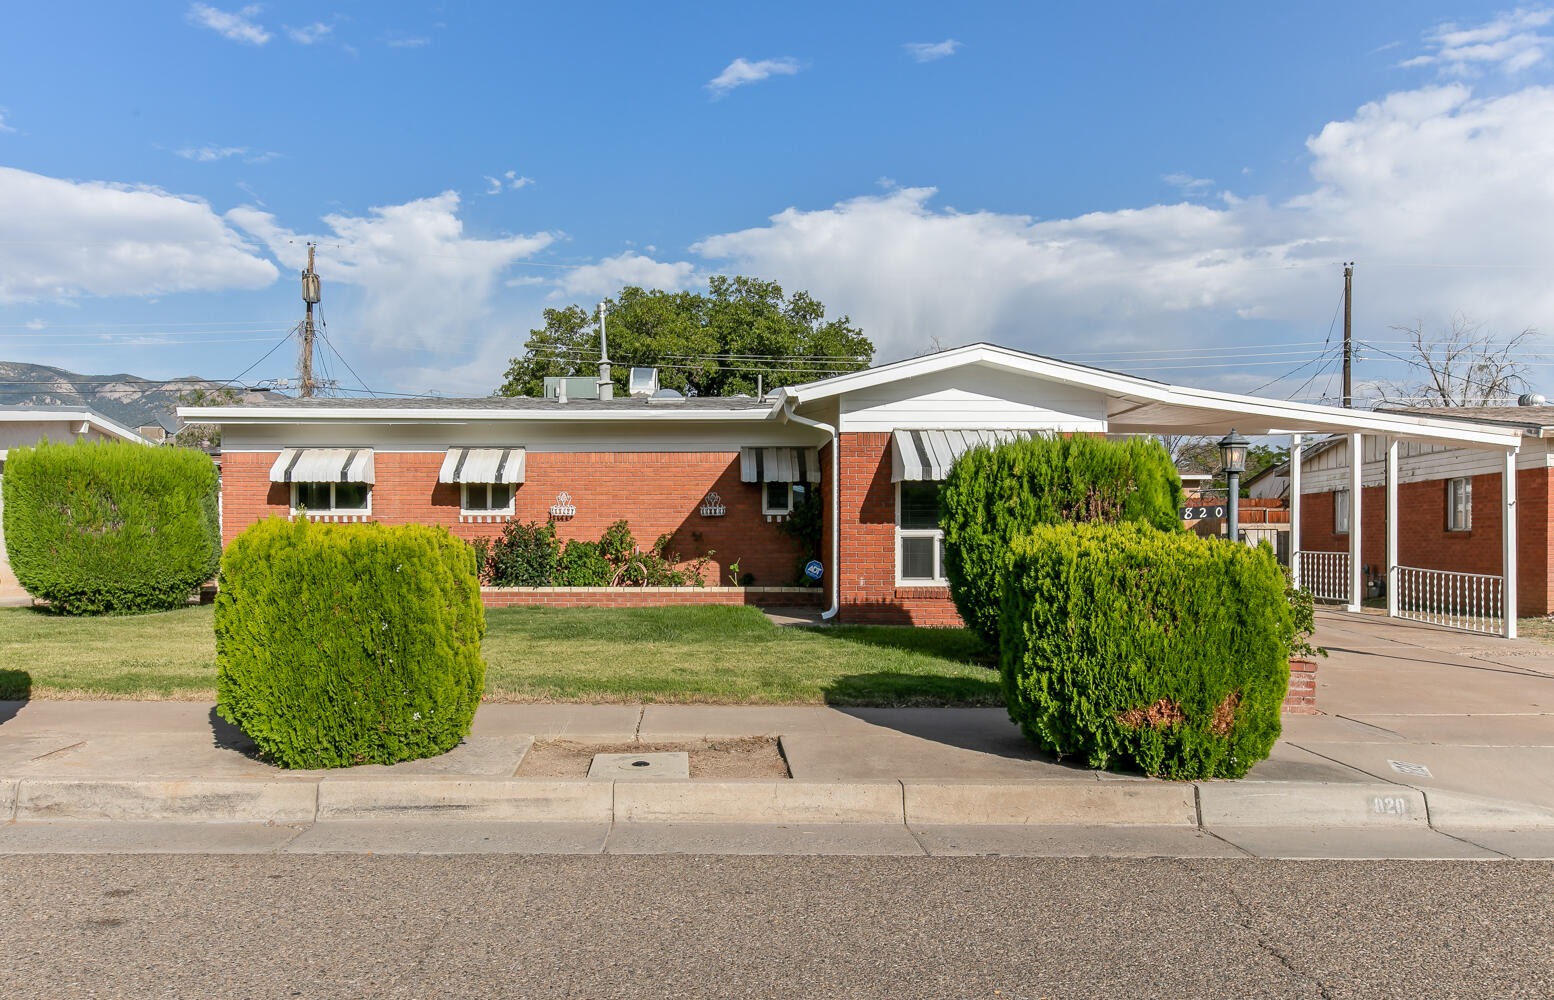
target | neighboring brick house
[
  {"x": 1450, "y": 508},
  {"x": 886, "y": 435}
]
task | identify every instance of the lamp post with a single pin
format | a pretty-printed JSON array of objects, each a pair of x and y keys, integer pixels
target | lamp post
[{"x": 1232, "y": 455}]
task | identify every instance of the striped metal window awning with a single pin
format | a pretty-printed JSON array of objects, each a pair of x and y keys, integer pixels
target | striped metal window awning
[
  {"x": 482, "y": 465},
  {"x": 928, "y": 455},
  {"x": 779, "y": 465},
  {"x": 323, "y": 465}
]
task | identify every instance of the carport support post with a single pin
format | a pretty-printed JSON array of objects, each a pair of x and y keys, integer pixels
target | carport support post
[
  {"x": 1392, "y": 528},
  {"x": 1297, "y": 446},
  {"x": 1508, "y": 540},
  {"x": 1356, "y": 551}
]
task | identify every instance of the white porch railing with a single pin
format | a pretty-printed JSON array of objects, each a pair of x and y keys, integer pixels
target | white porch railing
[
  {"x": 1474, "y": 602},
  {"x": 1325, "y": 574}
]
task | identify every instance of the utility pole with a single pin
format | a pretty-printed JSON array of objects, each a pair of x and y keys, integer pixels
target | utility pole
[
  {"x": 310, "y": 296},
  {"x": 1348, "y": 329}
]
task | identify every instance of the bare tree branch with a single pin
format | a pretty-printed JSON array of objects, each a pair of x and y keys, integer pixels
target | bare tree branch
[{"x": 1462, "y": 365}]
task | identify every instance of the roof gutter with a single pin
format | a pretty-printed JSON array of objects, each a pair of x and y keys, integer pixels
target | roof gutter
[{"x": 786, "y": 414}]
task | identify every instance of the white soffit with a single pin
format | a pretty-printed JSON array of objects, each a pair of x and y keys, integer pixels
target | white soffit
[
  {"x": 483, "y": 465},
  {"x": 323, "y": 465}
]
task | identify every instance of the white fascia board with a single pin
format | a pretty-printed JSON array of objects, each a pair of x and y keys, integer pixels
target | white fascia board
[
  {"x": 110, "y": 427},
  {"x": 1307, "y": 417},
  {"x": 256, "y": 415}
]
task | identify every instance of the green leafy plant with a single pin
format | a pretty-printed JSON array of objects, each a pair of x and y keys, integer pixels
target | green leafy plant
[
  {"x": 582, "y": 564},
  {"x": 524, "y": 555},
  {"x": 1130, "y": 647},
  {"x": 349, "y": 644},
  {"x": 998, "y": 493},
  {"x": 733, "y": 573},
  {"x": 805, "y": 525},
  {"x": 111, "y": 527},
  {"x": 1303, "y": 607}
]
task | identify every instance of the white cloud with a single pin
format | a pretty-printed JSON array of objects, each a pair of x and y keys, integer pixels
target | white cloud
[
  {"x": 406, "y": 41},
  {"x": 741, "y": 71},
  {"x": 515, "y": 182},
  {"x": 929, "y": 51},
  {"x": 1510, "y": 42},
  {"x": 1417, "y": 180},
  {"x": 611, "y": 274},
  {"x": 210, "y": 154},
  {"x": 238, "y": 26},
  {"x": 1188, "y": 183},
  {"x": 423, "y": 283},
  {"x": 309, "y": 34},
  {"x": 493, "y": 186},
  {"x": 65, "y": 239},
  {"x": 3, "y": 126},
  {"x": 35, "y": 324}
]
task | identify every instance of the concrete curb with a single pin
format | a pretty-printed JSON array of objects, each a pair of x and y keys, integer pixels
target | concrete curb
[
  {"x": 757, "y": 802},
  {"x": 8, "y": 799},
  {"x": 530, "y": 800},
  {"x": 1460, "y": 811},
  {"x": 1309, "y": 803},
  {"x": 204, "y": 800},
  {"x": 1068, "y": 803}
]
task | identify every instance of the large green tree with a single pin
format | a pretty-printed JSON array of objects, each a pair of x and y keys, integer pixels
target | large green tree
[{"x": 712, "y": 344}]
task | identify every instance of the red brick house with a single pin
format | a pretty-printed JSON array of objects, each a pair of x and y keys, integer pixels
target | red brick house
[
  {"x": 1450, "y": 507},
  {"x": 721, "y": 474}
]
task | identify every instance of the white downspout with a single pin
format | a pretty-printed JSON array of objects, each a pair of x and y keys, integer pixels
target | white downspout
[{"x": 836, "y": 502}]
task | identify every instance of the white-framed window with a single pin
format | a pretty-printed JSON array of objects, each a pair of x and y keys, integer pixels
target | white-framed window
[
  {"x": 1459, "y": 504},
  {"x": 1340, "y": 512},
  {"x": 776, "y": 498},
  {"x": 919, "y": 539},
  {"x": 331, "y": 498},
  {"x": 486, "y": 498}
]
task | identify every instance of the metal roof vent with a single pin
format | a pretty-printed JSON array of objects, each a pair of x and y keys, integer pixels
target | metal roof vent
[
  {"x": 564, "y": 387},
  {"x": 643, "y": 382},
  {"x": 1531, "y": 399},
  {"x": 665, "y": 396}
]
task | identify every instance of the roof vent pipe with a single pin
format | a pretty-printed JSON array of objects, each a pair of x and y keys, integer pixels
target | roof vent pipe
[
  {"x": 1531, "y": 399},
  {"x": 606, "y": 384}
]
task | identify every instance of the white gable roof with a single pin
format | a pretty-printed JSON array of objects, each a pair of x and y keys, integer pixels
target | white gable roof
[{"x": 1136, "y": 405}]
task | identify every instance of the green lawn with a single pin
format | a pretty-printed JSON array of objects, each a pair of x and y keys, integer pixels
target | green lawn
[{"x": 705, "y": 655}]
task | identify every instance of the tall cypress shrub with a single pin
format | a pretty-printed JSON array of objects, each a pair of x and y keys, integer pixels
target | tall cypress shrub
[
  {"x": 111, "y": 527},
  {"x": 1129, "y": 647},
  {"x": 997, "y": 493},
  {"x": 349, "y": 644}
]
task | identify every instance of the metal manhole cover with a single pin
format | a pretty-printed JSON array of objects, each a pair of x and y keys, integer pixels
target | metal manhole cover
[{"x": 1410, "y": 768}]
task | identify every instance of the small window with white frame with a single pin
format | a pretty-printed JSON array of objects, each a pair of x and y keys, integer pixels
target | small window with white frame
[
  {"x": 486, "y": 498},
  {"x": 1341, "y": 512},
  {"x": 776, "y": 498},
  {"x": 919, "y": 539},
  {"x": 1459, "y": 504},
  {"x": 331, "y": 498}
]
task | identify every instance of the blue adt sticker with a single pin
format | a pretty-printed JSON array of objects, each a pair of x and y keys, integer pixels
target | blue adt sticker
[{"x": 813, "y": 569}]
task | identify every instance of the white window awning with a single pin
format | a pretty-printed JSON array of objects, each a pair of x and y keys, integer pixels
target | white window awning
[
  {"x": 323, "y": 465},
  {"x": 779, "y": 465},
  {"x": 483, "y": 465},
  {"x": 928, "y": 455}
]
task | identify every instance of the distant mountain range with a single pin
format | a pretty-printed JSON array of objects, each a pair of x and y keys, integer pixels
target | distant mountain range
[{"x": 128, "y": 399}]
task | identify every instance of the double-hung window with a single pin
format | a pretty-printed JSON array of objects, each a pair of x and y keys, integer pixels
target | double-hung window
[
  {"x": 1341, "y": 512},
  {"x": 331, "y": 498},
  {"x": 486, "y": 498},
  {"x": 919, "y": 539},
  {"x": 1459, "y": 504}
]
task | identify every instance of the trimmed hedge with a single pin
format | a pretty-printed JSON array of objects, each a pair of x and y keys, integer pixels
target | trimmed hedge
[
  {"x": 349, "y": 644},
  {"x": 111, "y": 527},
  {"x": 1130, "y": 647},
  {"x": 995, "y": 494}
]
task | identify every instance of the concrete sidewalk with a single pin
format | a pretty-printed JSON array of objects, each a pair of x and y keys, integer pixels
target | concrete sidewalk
[{"x": 1434, "y": 744}]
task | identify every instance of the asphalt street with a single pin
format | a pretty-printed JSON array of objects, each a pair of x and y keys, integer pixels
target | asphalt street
[{"x": 525, "y": 926}]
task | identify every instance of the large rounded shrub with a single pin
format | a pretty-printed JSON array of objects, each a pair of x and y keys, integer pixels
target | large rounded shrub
[
  {"x": 349, "y": 644},
  {"x": 1130, "y": 647},
  {"x": 997, "y": 493},
  {"x": 111, "y": 527}
]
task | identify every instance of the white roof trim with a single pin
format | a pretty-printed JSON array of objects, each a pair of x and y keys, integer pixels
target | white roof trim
[
  {"x": 110, "y": 427},
  {"x": 295, "y": 415},
  {"x": 1283, "y": 417}
]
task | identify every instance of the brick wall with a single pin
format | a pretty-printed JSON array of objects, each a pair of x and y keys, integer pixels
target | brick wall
[
  {"x": 868, "y": 569},
  {"x": 1301, "y": 697},
  {"x": 649, "y": 597},
  {"x": 1424, "y": 542},
  {"x": 657, "y": 492}
]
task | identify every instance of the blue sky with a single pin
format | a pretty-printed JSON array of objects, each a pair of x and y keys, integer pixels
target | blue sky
[{"x": 1141, "y": 186}]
